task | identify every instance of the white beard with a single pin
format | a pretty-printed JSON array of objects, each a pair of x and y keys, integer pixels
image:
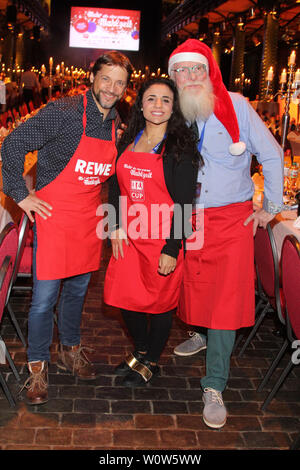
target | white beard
[{"x": 197, "y": 103}]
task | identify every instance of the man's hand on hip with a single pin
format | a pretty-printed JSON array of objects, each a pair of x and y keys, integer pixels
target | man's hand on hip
[
  {"x": 32, "y": 203},
  {"x": 260, "y": 218}
]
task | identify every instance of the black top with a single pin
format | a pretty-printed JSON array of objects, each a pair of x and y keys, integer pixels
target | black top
[
  {"x": 55, "y": 131},
  {"x": 181, "y": 180}
]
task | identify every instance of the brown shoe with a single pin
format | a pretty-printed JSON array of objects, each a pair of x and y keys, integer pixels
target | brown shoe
[
  {"x": 37, "y": 383},
  {"x": 73, "y": 358}
]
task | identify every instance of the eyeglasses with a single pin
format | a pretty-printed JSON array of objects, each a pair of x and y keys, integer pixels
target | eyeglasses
[{"x": 184, "y": 72}]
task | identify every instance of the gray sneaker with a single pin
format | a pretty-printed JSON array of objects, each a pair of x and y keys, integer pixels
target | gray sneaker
[
  {"x": 214, "y": 413},
  {"x": 191, "y": 346}
]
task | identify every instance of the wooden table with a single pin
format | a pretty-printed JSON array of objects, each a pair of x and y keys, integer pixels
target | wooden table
[{"x": 283, "y": 225}]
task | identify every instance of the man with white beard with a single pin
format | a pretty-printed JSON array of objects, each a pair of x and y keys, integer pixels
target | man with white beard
[{"x": 218, "y": 286}]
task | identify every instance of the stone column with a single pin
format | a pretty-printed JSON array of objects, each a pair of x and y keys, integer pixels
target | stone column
[
  {"x": 269, "y": 55},
  {"x": 237, "y": 63}
]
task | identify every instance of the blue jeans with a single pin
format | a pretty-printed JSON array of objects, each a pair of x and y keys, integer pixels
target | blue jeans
[{"x": 44, "y": 299}]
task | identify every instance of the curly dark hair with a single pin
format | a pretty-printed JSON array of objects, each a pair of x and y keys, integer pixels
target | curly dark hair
[{"x": 180, "y": 139}]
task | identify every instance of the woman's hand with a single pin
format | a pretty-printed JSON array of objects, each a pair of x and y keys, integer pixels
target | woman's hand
[
  {"x": 32, "y": 203},
  {"x": 166, "y": 264},
  {"x": 117, "y": 238}
]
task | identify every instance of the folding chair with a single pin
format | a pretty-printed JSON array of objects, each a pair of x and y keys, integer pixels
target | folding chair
[
  {"x": 267, "y": 269},
  {"x": 25, "y": 252},
  {"x": 30, "y": 105},
  {"x": 290, "y": 272},
  {"x": 4, "y": 118},
  {"x": 15, "y": 113},
  {"x": 8, "y": 252},
  {"x": 23, "y": 231},
  {"x": 260, "y": 301}
]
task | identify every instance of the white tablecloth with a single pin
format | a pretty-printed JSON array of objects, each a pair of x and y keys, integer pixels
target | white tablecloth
[{"x": 282, "y": 226}]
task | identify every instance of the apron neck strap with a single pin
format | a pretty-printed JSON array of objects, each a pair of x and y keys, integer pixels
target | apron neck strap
[
  {"x": 154, "y": 150},
  {"x": 84, "y": 112}
]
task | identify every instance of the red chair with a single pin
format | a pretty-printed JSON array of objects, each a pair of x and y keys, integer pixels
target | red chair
[
  {"x": 4, "y": 118},
  {"x": 24, "y": 251},
  {"x": 10, "y": 114},
  {"x": 23, "y": 109},
  {"x": 268, "y": 280},
  {"x": 15, "y": 113},
  {"x": 8, "y": 252},
  {"x": 30, "y": 105},
  {"x": 290, "y": 273},
  {"x": 296, "y": 444}
]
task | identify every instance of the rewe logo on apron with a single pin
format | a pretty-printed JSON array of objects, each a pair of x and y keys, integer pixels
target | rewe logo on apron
[
  {"x": 67, "y": 242},
  {"x": 92, "y": 168}
]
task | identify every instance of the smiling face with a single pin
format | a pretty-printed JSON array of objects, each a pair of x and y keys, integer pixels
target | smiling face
[
  {"x": 157, "y": 103},
  {"x": 189, "y": 74},
  {"x": 195, "y": 90},
  {"x": 108, "y": 86}
]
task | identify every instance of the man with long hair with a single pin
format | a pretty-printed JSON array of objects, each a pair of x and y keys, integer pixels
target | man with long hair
[{"x": 218, "y": 286}]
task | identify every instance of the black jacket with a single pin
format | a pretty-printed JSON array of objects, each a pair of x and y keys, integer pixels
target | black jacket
[{"x": 181, "y": 180}]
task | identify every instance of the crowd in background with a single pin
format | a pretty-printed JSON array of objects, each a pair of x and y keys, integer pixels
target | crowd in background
[
  {"x": 24, "y": 93},
  {"x": 30, "y": 90},
  {"x": 273, "y": 123}
]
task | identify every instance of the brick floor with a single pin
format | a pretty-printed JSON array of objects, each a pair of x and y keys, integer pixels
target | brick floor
[{"x": 165, "y": 414}]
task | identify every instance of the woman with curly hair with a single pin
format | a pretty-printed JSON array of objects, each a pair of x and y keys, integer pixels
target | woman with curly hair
[{"x": 156, "y": 173}]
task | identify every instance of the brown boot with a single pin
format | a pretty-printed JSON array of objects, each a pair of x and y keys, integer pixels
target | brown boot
[
  {"x": 37, "y": 383},
  {"x": 73, "y": 358}
]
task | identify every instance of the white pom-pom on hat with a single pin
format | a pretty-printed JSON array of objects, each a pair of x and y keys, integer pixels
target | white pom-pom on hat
[{"x": 237, "y": 148}]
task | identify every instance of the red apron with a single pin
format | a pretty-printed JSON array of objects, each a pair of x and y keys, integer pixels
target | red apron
[
  {"x": 133, "y": 282},
  {"x": 218, "y": 281},
  {"x": 67, "y": 243}
]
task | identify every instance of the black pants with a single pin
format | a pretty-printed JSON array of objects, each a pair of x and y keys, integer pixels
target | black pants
[{"x": 149, "y": 332}]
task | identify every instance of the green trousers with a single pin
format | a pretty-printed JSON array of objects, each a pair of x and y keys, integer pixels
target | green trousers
[{"x": 219, "y": 348}]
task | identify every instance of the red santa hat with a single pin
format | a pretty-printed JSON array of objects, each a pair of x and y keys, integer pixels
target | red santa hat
[{"x": 193, "y": 50}]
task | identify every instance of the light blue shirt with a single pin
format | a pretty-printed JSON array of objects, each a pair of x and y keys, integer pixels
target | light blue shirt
[{"x": 226, "y": 178}]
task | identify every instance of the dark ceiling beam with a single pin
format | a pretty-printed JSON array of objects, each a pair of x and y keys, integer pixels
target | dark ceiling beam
[
  {"x": 36, "y": 11},
  {"x": 290, "y": 21},
  {"x": 187, "y": 12},
  {"x": 192, "y": 10}
]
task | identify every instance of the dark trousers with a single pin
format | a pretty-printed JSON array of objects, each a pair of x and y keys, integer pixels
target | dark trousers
[{"x": 149, "y": 332}]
